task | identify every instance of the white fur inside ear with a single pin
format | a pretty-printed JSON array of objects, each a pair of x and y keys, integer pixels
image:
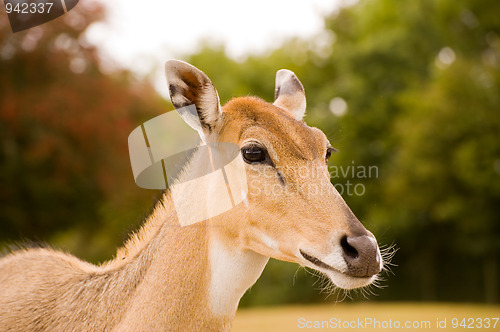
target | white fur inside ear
[
  {"x": 190, "y": 86},
  {"x": 289, "y": 93},
  {"x": 210, "y": 97}
]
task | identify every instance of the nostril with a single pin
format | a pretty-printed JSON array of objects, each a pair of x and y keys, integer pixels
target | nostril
[
  {"x": 361, "y": 255},
  {"x": 349, "y": 250}
]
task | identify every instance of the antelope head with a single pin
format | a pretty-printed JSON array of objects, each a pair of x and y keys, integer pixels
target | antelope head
[{"x": 292, "y": 211}]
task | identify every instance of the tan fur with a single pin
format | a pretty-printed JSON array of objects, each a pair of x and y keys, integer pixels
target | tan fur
[{"x": 172, "y": 278}]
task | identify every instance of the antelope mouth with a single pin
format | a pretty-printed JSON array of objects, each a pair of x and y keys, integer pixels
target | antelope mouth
[
  {"x": 318, "y": 262},
  {"x": 342, "y": 279}
]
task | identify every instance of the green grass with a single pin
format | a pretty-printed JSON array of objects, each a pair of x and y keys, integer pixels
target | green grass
[{"x": 287, "y": 318}]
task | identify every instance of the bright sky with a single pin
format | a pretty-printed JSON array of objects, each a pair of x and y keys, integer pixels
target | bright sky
[{"x": 143, "y": 34}]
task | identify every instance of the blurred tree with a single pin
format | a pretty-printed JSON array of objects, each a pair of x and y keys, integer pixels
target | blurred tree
[
  {"x": 64, "y": 169},
  {"x": 446, "y": 173}
]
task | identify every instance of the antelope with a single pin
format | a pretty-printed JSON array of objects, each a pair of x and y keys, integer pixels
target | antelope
[{"x": 170, "y": 277}]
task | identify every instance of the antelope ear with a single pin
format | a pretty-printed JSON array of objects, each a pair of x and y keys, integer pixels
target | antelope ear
[
  {"x": 190, "y": 86},
  {"x": 289, "y": 94}
]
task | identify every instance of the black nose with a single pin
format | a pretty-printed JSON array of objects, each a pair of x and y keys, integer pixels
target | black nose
[{"x": 361, "y": 255}]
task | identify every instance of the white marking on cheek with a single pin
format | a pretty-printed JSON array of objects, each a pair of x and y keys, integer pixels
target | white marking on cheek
[
  {"x": 336, "y": 259},
  {"x": 269, "y": 242}
]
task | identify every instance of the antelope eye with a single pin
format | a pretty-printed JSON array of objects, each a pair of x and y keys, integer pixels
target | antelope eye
[
  {"x": 329, "y": 151},
  {"x": 253, "y": 154}
]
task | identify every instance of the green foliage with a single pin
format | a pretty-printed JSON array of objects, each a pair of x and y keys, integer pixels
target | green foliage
[{"x": 64, "y": 174}]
